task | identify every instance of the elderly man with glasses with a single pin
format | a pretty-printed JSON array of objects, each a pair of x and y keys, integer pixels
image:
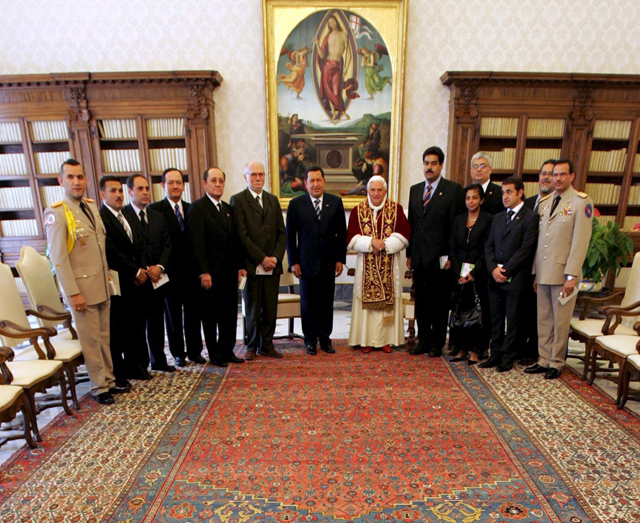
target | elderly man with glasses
[{"x": 481, "y": 173}]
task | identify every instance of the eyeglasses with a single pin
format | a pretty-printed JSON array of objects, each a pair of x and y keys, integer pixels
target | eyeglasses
[
  {"x": 479, "y": 166},
  {"x": 560, "y": 175}
]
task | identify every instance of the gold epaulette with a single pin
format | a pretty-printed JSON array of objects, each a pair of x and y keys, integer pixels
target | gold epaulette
[
  {"x": 89, "y": 200},
  {"x": 545, "y": 198},
  {"x": 56, "y": 204},
  {"x": 582, "y": 194}
]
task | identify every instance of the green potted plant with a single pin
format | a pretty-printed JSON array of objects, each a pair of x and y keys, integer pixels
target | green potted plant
[{"x": 609, "y": 249}]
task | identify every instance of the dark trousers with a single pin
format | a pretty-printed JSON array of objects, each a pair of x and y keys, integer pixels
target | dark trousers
[
  {"x": 120, "y": 342},
  {"x": 128, "y": 337},
  {"x": 528, "y": 341},
  {"x": 182, "y": 295},
  {"x": 505, "y": 305},
  {"x": 316, "y": 303},
  {"x": 152, "y": 308},
  {"x": 433, "y": 292},
  {"x": 219, "y": 309},
  {"x": 261, "y": 305}
]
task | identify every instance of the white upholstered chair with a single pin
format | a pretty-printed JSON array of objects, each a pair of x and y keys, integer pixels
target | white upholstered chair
[
  {"x": 586, "y": 330},
  {"x": 35, "y": 376},
  {"x": 13, "y": 399},
  {"x": 615, "y": 348},
  {"x": 44, "y": 296},
  {"x": 15, "y": 331}
]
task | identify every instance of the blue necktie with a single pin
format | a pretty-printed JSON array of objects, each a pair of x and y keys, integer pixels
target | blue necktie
[
  {"x": 426, "y": 198},
  {"x": 180, "y": 218}
]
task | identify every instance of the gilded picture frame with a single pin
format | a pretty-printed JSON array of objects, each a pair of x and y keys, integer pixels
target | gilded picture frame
[{"x": 334, "y": 76}]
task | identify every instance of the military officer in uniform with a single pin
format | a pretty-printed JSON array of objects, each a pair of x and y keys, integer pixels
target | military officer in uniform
[
  {"x": 77, "y": 240},
  {"x": 563, "y": 239}
]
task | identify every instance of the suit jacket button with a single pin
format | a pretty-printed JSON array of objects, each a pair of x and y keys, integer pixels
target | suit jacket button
[{"x": 545, "y": 258}]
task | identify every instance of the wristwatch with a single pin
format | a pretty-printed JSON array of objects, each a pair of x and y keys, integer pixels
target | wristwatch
[{"x": 569, "y": 277}]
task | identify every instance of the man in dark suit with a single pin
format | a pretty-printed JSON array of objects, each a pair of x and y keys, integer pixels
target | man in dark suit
[
  {"x": 509, "y": 256},
  {"x": 181, "y": 289},
  {"x": 481, "y": 173},
  {"x": 218, "y": 258},
  {"x": 317, "y": 249},
  {"x": 156, "y": 252},
  {"x": 127, "y": 337},
  {"x": 433, "y": 206},
  {"x": 260, "y": 226},
  {"x": 528, "y": 344}
]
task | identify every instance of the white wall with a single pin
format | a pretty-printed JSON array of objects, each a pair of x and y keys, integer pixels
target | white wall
[{"x": 45, "y": 36}]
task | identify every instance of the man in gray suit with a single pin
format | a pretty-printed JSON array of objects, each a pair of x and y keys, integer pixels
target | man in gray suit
[
  {"x": 260, "y": 227},
  {"x": 565, "y": 230}
]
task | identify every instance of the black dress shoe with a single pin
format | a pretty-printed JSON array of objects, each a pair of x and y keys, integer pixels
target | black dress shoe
[
  {"x": 311, "y": 349},
  {"x": 197, "y": 359},
  {"x": 234, "y": 359},
  {"x": 120, "y": 387},
  {"x": 164, "y": 368},
  {"x": 552, "y": 374},
  {"x": 490, "y": 363},
  {"x": 105, "y": 398},
  {"x": 218, "y": 363},
  {"x": 504, "y": 367},
  {"x": 326, "y": 347},
  {"x": 418, "y": 349},
  {"x": 435, "y": 353},
  {"x": 180, "y": 361},
  {"x": 536, "y": 369},
  {"x": 142, "y": 375}
]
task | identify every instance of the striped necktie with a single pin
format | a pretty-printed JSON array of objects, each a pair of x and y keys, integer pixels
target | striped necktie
[
  {"x": 180, "y": 218},
  {"x": 317, "y": 207},
  {"x": 426, "y": 198},
  {"x": 125, "y": 227}
]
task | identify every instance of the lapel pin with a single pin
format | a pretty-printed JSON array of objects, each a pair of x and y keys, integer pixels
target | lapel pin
[{"x": 440, "y": 193}]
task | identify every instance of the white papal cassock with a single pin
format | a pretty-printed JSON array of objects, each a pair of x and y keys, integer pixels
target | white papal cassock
[{"x": 376, "y": 315}]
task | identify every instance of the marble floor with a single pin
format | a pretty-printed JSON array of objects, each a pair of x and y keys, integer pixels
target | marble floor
[{"x": 342, "y": 320}]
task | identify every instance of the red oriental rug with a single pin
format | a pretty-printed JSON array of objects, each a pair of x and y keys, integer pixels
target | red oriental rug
[{"x": 345, "y": 437}]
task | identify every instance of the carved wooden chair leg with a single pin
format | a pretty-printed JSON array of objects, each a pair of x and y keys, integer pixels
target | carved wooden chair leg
[
  {"x": 32, "y": 414},
  {"x": 592, "y": 365},
  {"x": 70, "y": 371},
  {"x": 63, "y": 394},
  {"x": 26, "y": 422},
  {"x": 588, "y": 349}
]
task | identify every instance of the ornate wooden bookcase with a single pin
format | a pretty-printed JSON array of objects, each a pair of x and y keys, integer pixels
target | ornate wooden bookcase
[
  {"x": 113, "y": 123},
  {"x": 525, "y": 118}
]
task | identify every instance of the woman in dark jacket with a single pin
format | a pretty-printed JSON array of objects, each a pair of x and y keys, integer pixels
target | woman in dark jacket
[{"x": 469, "y": 234}]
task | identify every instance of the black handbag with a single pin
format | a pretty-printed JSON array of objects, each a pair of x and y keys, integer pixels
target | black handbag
[{"x": 466, "y": 316}]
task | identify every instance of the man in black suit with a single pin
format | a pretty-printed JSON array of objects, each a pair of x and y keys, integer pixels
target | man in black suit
[
  {"x": 156, "y": 252},
  {"x": 317, "y": 249},
  {"x": 260, "y": 226},
  {"x": 481, "y": 173},
  {"x": 181, "y": 289},
  {"x": 509, "y": 256},
  {"x": 528, "y": 344},
  {"x": 217, "y": 257},
  {"x": 433, "y": 206},
  {"x": 127, "y": 338}
]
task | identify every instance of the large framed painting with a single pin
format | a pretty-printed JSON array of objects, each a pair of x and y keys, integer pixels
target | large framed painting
[{"x": 334, "y": 84}]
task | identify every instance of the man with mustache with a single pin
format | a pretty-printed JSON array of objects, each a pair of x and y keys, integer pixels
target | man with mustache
[
  {"x": 528, "y": 344},
  {"x": 433, "y": 206}
]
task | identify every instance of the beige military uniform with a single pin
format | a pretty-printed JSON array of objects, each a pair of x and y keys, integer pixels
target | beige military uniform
[
  {"x": 84, "y": 270},
  {"x": 563, "y": 240}
]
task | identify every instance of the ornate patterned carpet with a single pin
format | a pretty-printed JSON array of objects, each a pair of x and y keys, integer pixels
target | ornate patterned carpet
[{"x": 346, "y": 437}]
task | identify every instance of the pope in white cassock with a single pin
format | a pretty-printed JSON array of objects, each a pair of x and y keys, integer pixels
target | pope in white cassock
[{"x": 378, "y": 231}]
